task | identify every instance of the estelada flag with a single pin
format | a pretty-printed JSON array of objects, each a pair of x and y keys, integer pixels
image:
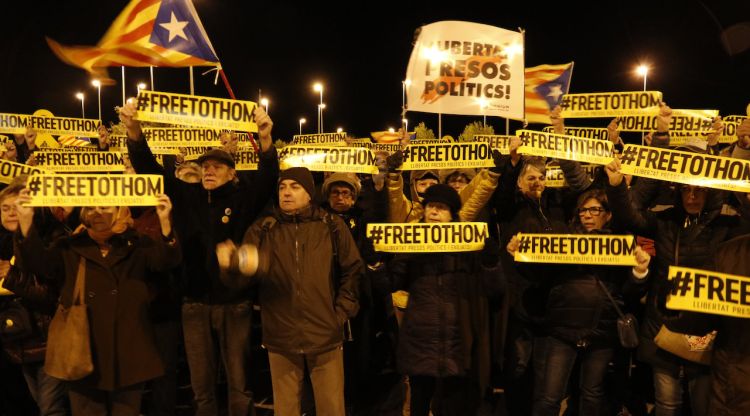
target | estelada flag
[
  {"x": 545, "y": 86},
  {"x": 165, "y": 33}
]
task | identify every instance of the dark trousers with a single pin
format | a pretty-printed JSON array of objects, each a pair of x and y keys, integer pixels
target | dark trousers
[
  {"x": 668, "y": 392},
  {"x": 449, "y": 396},
  {"x": 212, "y": 332},
  {"x": 49, "y": 393},
  {"x": 164, "y": 389},
  {"x": 87, "y": 401},
  {"x": 552, "y": 387}
]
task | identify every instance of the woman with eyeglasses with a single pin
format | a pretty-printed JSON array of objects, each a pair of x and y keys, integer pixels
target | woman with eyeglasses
[{"x": 580, "y": 319}]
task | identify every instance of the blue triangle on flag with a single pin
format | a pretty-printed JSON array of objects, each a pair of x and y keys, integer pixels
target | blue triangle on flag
[
  {"x": 553, "y": 90},
  {"x": 177, "y": 27}
]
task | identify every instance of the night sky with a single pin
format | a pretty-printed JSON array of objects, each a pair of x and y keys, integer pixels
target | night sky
[{"x": 360, "y": 53}]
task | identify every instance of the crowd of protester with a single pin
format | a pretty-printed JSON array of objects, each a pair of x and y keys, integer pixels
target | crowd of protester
[{"x": 348, "y": 330}]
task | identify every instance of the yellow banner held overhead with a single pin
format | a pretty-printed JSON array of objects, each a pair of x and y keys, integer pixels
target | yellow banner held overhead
[
  {"x": 499, "y": 142},
  {"x": 74, "y": 161},
  {"x": 609, "y": 104},
  {"x": 686, "y": 167},
  {"x": 191, "y": 110},
  {"x": 94, "y": 190},
  {"x": 566, "y": 147},
  {"x": 328, "y": 159},
  {"x": 617, "y": 250},
  {"x": 118, "y": 142},
  {"x": 179, "y": 137},
  {"x": 9, "y": 170},
  {"x": 709, "y": 292},
  {"x": 323, "y": 139},
  {"x": 683, "y": 120},
  {"x": 18, "y": 123},
  {"x": 731, "y": 123},
  {"x": 556, "y": 177},
  {"x": 428, "y": 238},
  {"x": 585, "y": 132},
  {"x": 447, "y": 156}
]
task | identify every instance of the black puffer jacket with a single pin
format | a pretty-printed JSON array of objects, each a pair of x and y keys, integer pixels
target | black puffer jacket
[
  {"x": 445, "y": 331},
  {"x": 205, "y": 218},
  {"x": 679, "y": 240},
  {"x": 305, "y": 304}
]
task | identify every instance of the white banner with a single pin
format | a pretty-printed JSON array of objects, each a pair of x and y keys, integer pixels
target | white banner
[{"x": 467, "y": 68}]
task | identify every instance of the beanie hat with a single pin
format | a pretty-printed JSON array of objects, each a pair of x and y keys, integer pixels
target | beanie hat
[
  {"x": 302, "y": 176},
  {"x": 349, "y": 179},
  {"x": 443, "y": 193}
]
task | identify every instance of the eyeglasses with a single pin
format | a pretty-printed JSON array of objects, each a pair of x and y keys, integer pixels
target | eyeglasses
[
  {"x": 344, "y": 194},
  {"x": 593, "y": 211}
]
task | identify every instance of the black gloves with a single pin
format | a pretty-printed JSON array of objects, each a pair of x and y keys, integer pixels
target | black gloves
[{"x": 395, "y": 161}]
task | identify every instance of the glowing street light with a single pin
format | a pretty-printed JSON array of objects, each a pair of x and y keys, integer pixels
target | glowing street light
[
  {"x": 81, "y": 97},
  {"x": 98, "y": 85},
  {"x": 141, "y": 86},
  {"x": 318, "y": 87},
  {"x": 391, "y": 130},
  {"x": 406, "y": 125},
  {"x": 321, "y": 107},
  {"x": 339, "y": 129},
  {"x": 642, "y": 70},
  {"x": 301, "y": 122},
  {"x": 264, "y": 103}
]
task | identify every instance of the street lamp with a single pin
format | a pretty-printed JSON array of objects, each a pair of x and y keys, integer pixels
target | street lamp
[
  {"x": 406, "y": 125},
  {"x": 264, "y": 103},
  {"x": 318, "y": 87},
  {"x": 642, "y": 70},
  {"x": 321, "y": 107},
  {"x": 391, "y": 130},
  {"x": 81, "y": 97},
  {"x": 98, "y": 86},
  {"x": 301, "y": 122},
  {"x": 141, "y": 86},
  {"x": 339, "y": 129}
]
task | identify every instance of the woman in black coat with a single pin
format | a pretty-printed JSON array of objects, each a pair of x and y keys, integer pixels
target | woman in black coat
[
  {"x": 444, "y": 338},
  {"x": 580, "y": 320},
  {"x": 116, "y": 261}
]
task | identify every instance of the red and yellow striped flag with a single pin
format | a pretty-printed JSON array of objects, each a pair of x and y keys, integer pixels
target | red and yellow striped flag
[{"x": 164, "y": 33}]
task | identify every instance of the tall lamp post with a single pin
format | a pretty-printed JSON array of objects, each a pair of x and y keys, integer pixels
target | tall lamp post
[
  {"x": 318, "y": 87},
  {"x": 81, "y": 97},
  {"x": 642, "y": 70},
  {"x": 301, "y": 122},
  {"x": 98, "y": 85}
]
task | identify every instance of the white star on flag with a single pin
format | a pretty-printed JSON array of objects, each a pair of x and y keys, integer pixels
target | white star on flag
[
  {"x": 555, "y": 91},
  {"x": 175, "y": 28}
]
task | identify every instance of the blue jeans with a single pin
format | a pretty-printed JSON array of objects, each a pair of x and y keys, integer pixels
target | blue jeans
[
  {"x": 49, "y": 393},
  {"x": 227, "y": 326},
  {"x": 668, "y": 392},
  {"x": 551, "y": 388}
]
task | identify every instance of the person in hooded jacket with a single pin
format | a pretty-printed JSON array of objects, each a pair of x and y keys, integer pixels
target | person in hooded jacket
[{"x": 444, "y": 338}]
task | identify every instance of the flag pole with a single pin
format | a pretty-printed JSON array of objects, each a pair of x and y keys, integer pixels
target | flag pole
[
  {"x": 192, "y": 86},
  {"x": 231, "y": 95},
  {"x": 123, "y": 85}
]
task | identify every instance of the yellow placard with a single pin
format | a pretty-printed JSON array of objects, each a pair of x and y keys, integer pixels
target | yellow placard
[
  {"x": 323, "y": 139},
  {"x": 499, "y": 142},
  {"x": 94, "y": 190},
  {"x": 585, "y": 132},
  {"x": 683, "y": 120},
  {"x": 555, "y": 178},
  {"x": 192, "y": 110},
  {"x": 427, "y": 237},
  {"x": 709, "y": 292},
  {"x": 686, "y": 167},
  {"x": 182, "y": 136},
  {"x": 246, "y": 160},
  {"x": 70, "y": 149},
  {"x": 731, "y": 123},
  {"x": 600, "y": 249},
  {"x": 447, "y": 156},
  {"x": 566, "y": 147},
  {"x": 609, "y": 104},
  {"x": 9, "y": 170},
  {"x": 328, "y": 158},
  {"x": 80, "y": 161},
  {"x": 18, "y": 123}
]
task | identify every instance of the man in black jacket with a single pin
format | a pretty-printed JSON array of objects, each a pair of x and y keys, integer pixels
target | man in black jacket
[
  {"x": 219, "y": 208},
  {"x": 307, "y": 267}
]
